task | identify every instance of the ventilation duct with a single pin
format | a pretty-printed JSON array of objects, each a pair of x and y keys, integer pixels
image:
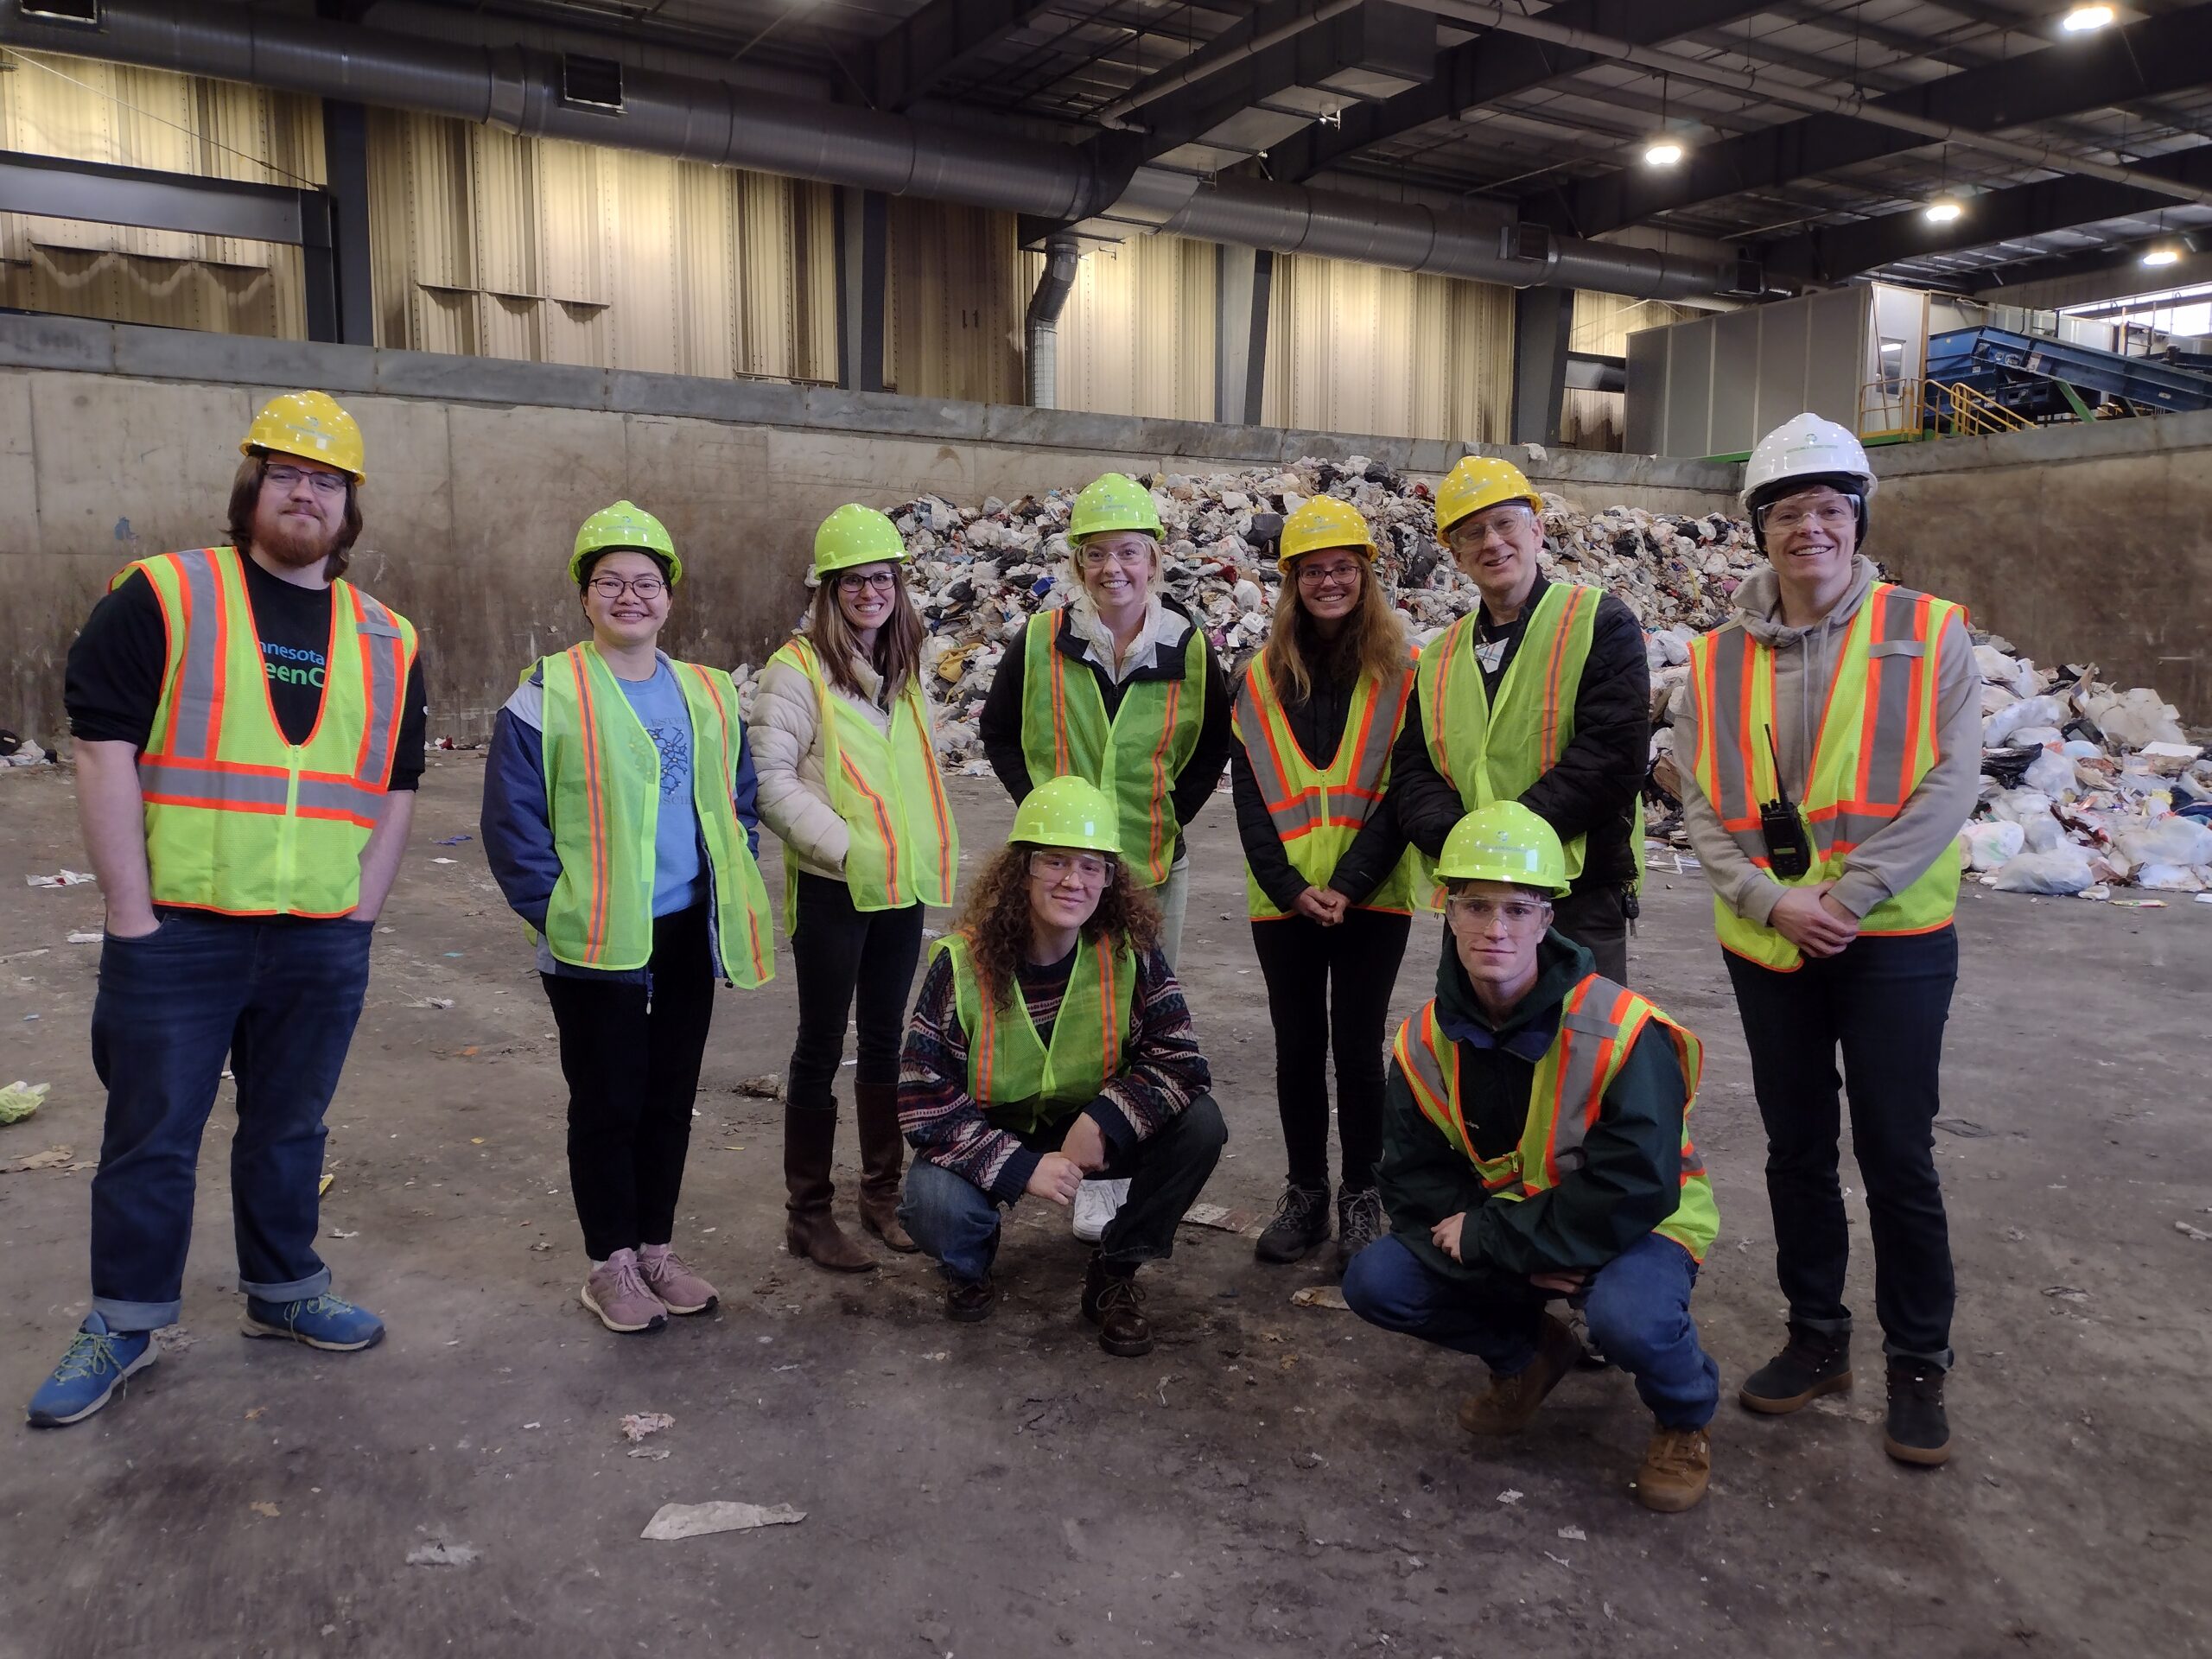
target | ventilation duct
[{"x": 1041, "y": 358}]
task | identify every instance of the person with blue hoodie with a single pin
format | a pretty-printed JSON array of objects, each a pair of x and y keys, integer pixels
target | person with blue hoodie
[{"x": 618, "y": 821}]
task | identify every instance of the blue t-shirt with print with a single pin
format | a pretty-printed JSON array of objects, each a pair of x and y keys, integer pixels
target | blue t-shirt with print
[{"x": 679, "y": 878}]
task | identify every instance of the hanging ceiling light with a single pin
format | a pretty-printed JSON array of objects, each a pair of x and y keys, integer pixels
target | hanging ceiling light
[
  {"x": 1663, "y": 152},
  {"x": 2083, "y": 19},
  {"x": 1943, "y": 210},
  {"x": 2163, "y": 253}
]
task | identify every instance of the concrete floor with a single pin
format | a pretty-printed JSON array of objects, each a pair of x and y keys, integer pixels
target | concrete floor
[{"x": 1271, "y": 1479}]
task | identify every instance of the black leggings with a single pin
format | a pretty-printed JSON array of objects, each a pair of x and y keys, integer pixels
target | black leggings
[
  {"x": 632, "y": 1060},
  {"x": 1324, "y": 983},
  {"x": 842, "y": 956}
]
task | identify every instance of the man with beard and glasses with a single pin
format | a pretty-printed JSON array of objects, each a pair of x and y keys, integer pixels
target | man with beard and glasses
[{"x": 249, "y": 735}]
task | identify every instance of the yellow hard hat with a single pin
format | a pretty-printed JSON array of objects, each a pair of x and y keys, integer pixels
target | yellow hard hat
[
  {"x": 1479, "y": 481},
  {"x": 624, "y": 525},
  {"x": 1326, "y": 521},
  {"x": 309, "y": 424},
  {"x": 856, "y": 535},
  {"x": 1503, "y": 841},
  {"x": 1113, "y": 501},
  {"x": 1067, "y": 811}
]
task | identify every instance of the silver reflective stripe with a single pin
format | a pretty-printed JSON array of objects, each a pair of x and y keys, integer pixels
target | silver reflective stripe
[
  {"x": 1425, "y": 1061},
  {"x": 1732, "y": 661},
  {"x": 353, "y": 799},
  {"x": 197, "y": 693},
  {"x": 1298, "y": 816},
  {"x": 1584, "y": 1035},
  {"x": 384, "y": 689},
  {"x": 215, "y": 785},
  {"x": 1882, "y": 759}
]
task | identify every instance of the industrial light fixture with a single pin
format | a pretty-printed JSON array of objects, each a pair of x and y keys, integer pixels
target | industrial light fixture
[
  {"x": 2083, "y": 19},
  {"x": 1663, "y": 152},
  {"x": 1943, "y": 210},
  {"x": 2165, "y": 253}
]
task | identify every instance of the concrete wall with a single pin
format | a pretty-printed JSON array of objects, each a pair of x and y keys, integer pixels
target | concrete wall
[
  {"x": 2078, "y": 543},
  {"x": 116, "y": 441}
]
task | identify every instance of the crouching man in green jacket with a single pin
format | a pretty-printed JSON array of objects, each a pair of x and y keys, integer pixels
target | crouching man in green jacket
[{"x": 1536, "y": 1145}]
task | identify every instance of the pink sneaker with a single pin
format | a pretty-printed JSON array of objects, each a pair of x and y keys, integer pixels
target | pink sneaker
[
  {"x": 681, "y": 1290},
  {"x": 616, "y": 1292}
]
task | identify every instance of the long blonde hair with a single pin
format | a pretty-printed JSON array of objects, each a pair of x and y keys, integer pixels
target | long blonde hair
[
  {"x": 897, "y": 653},
  {"x": 1372, "y": 641}
]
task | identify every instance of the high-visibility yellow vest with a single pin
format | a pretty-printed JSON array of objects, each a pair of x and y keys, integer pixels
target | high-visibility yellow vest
[
  {"x": 238, "y": 819},
  {"x": 1021, "y": 1080},
  {"x": 1317, "y": 812},
  {"x": 1878, "y": 737},
  {"x": 1599, "y": 1025},
  {"x": 903, "y": 848},
  {"x": 602, "y": 790},
  {"x": 1493, "y": 752},
  {"x": 1135, "y": 757}
]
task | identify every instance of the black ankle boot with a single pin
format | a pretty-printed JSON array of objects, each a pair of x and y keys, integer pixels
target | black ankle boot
[
  {"x": 1301, "y": 1220},
  {"x": 1919, "y": 1432},
  {"x": 1813, "y": 1364}
]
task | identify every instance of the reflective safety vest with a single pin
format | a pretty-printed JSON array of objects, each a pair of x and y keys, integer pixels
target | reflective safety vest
[
  {"x": 903, "y": 847},
  {"x": 238, "y": 819},
  {"x": 1877, "y": 739},
  {"x": 1319, "y": 813},
  {"x": 1023, "y": 1083},
  {"x": 1599, "y": 1025},
  {"x": 1493, "y": 752},
  {"x": 602, "y": 789},
  {"x": 1135, "y": 757}
]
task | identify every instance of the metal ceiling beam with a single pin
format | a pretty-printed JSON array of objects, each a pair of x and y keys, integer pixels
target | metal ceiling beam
[
  {"x": 1490, "y": 66},
  {"x": 2156, "y": 56},
  {"x": 2090, "y": 262},
  {"x": 944, "y": 38},
  {"x": 1831, "y": 253}
]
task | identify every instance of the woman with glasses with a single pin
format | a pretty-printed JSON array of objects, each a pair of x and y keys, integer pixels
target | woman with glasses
[
  {"x": 1329, "y": 881},
  {"x": 1050, "y": 1042},
  {"x": 849, "y": 781},
  {"x": 617, "y": 821},
  {"x": 1121, "y": 687}
]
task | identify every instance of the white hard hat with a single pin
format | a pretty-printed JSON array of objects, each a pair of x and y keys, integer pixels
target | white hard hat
[{"x": 1805, "y": 446}]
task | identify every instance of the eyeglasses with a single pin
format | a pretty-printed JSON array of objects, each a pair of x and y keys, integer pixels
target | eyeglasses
[
  {"x": 1480, "y": 913},
  {"x": 1499, "y": 525},
  {"x": 329, "y": 486},
  {"x": 1098, "y": 558},
  {"x": 612, "y": 588},
  {"x": 854, "y": 582},
  {"x": 1832, "y": 516},
  {"x": 1344, "y": 575},
  {"x": 1090, "y": 868}
]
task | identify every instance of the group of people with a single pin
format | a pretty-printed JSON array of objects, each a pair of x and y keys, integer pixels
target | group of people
[{"x": 1520, "y": 1142}]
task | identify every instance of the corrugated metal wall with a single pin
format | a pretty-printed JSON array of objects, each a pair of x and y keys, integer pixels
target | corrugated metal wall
[
  {"x": 92, "y": 111},
  {"x": 494, "y": 245},
  {"x": 1355, "y": 348},
  {"x": 954, "y": 297},
  {"x": 1137, "y": 337},
  {"x": 1603, "y": 322}
]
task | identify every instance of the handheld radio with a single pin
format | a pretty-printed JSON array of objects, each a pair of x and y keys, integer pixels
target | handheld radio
[{"x": 1789, "y": 854}]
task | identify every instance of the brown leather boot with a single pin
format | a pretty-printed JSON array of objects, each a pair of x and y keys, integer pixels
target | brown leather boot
[
  {"x": 883, "y": 1154},
  {"x": 1509, "y": 1402},
  {"x": 1676, "y": 1466},
  {"x": 809, "y": 1137}
]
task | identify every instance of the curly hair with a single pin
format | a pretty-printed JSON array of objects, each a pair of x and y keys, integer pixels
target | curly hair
[{"x": 995, "y": 923}]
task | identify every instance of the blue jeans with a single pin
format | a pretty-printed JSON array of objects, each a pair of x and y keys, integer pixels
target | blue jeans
[
  {"x": 955, "y": 1222},
  {"x": 1639, "y": 1308},
  {"x": 279, "y": 1000}
]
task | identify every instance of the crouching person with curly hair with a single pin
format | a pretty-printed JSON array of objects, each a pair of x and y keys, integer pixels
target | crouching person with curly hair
[{"x": 1050, "y": 1043}]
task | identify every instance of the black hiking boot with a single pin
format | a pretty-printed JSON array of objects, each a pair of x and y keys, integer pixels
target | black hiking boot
[
  {"x": 1919, "y": 1432},
  {"x": 1813, "y": 1364},
  {"x": 1301, "y": 1220}
]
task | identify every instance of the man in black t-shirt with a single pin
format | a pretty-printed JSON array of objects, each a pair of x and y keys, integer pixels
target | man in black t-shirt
[{"x": 249, "y": 737}]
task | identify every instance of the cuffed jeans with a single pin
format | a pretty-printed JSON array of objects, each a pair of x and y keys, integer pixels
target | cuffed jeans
[
  {"x": 1639, "y": 1308},
  {"x": 1883, "y": 1002},
  {"x": 280, "y": 1001},
  {"x": 956, "y": 1222}
]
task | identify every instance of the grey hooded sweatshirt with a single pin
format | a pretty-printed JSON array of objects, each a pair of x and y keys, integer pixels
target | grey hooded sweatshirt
[{"x": 1906, "y": 847}]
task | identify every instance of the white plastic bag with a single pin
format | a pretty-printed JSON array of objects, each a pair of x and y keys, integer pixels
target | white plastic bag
[
  {"x": 2168, "y": 878},
  {"x": 2169, "y": 840},
  {"x": 2052, "y": 773},
  {"x": 2020, "y": 805},
  {"x": 1993, "y": 841},
  {"x": 2064, "y": 868}
]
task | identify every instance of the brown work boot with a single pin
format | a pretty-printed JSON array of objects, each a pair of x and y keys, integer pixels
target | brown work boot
[
  {"x": 616, "y": 1292},
  {"x": 1112, "y": 1301},
  {"x": 1509, "y": 1402},
  {"x": 669, "y": 1277},
  {"x": 809, "y": 1137},
  {"x": 883, "y": 1154},
  {"x": 1676, "y": 1466}
]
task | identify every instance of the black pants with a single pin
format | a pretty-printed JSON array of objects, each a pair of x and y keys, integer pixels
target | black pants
[
  {"x": 843, "y": 955},
  {"x": 1324, "y": 984},
  {"x": 1594, "y": 918},
  {"x": 1884, "y": 1001},
  {"x": 630, "y": 1054}
]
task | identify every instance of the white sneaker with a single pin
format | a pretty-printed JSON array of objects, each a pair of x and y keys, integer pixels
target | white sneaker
[{"x": 1096, "y": 1204}]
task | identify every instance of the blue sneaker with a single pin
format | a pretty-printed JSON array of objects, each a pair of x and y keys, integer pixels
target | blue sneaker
[
  {"x": 324, "y": 1321},
  {"x": 89, "y": 1373}
]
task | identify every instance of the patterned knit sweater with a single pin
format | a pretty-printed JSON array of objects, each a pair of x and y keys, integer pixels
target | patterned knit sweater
[{"x": 1162, "y": 1072}]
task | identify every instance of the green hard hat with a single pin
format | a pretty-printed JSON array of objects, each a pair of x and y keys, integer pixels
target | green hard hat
[
  {"x": 1504, "y": 841},
  {"x": 856, "y": 535},
  {"x": 1068, "y": 811},
  {"x": 1113, "y": 501},
  {"x": 624, "y": 525}
]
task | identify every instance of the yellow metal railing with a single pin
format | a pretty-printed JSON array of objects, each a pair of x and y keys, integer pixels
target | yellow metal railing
[
  {"x": 1917, "y": 408},
  {"x": 1976, "y": 414}
]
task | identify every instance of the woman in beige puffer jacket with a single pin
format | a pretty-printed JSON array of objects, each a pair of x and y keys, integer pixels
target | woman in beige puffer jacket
[{"x": 846, "y": 763}]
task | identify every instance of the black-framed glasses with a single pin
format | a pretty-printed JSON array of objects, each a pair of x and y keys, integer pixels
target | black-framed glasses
[
  {"x": 854, "y": 581},
  {"x": 329, "y": 486},
  {"x": 611, "y": 587},
  {"x": 1312, "y": 575}
]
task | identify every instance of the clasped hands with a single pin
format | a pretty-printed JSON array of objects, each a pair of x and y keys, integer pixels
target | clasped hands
[
  {"x": 1082, "y": 1152},
  {"x": 1319, "y": 905},
  {"x": 1445, "y": 1235},
  {"x": 1812, "y": 921}
]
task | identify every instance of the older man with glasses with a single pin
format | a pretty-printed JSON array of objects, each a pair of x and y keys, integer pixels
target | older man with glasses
[{"x": 1535, "y": 1147}]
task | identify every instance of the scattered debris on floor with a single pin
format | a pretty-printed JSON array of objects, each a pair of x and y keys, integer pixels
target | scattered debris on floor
[
  {"x": 674, "y": 1520},
  {"x": 62, "y": 878},
  {"x": 1327, "y": 1296},
  {"x": 2197, "y": 1233},
  {"x": 444, "y": 1555},
  {"x": 173, "y": 1338},
  {"x": 637, "y": 1424},
  {"x": 1222, "y": 1219},
  {"x": 263, "y": 1508},
  {"x": 86, "y": 936},
  {"x": 20, "y": 1099},
  {"x": 52, "y": 1158},
  {"x": 767, "y": 1086}
]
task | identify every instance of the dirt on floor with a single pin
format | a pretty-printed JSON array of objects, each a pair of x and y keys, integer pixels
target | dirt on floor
[{"x": 1273, "y": 1478}]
